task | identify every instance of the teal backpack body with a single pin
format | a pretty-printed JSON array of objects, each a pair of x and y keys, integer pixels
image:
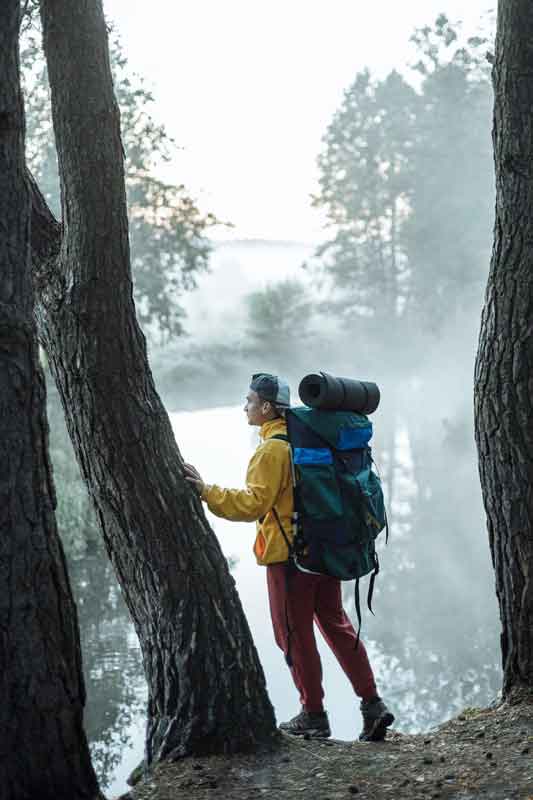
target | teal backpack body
[{"x": 338, "y": 498}]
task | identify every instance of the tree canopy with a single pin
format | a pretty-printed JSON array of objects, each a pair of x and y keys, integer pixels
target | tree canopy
[
  {"x": 168, "y": 232},
  {"x": 405, "y": 180}
]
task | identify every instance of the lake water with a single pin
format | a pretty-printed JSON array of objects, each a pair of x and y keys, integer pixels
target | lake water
[{"x": 432, "y": 653}]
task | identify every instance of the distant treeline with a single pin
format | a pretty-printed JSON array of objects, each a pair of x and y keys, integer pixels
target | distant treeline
[{"x": 406, "y": 182}]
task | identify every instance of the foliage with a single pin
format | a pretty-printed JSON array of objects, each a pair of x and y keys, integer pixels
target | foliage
[
  {"x": 167, "y": 231},
  {"x": 278, "y": 320},
  {"x": 365, "y": 183},
  {"x": 405, "y": 181},
  {"x": 448, "y": 233}
]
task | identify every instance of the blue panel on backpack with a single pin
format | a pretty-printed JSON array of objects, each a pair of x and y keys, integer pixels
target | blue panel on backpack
[
  {"x": 354, "y": 438},
  {"x": 313, "y": 455}
]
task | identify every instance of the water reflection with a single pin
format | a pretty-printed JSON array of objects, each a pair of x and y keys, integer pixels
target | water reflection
[
  {"x": 433, "y": 642},
  {"x": 437, "y": 626},
  {"x": 112, "y": 665}
]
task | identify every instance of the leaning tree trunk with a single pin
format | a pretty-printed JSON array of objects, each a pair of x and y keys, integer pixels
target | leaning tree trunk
[
  {"x": 44, "y": 749},
  {"x": 504, "y": 367},
  {"x": 206, "y": 686}
]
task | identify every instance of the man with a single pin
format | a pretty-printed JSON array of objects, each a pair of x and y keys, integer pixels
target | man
[{"x": 299, "y": 597}]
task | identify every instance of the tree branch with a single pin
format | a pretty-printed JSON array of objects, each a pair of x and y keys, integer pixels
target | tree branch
[{"x": 46, "y": 237}]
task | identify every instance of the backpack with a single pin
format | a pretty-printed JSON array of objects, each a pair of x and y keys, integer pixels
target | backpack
[{"x": 338, "y": 499}]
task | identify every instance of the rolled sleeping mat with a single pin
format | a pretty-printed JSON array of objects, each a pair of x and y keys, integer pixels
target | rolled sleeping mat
[{"x": 320, "y": 390}]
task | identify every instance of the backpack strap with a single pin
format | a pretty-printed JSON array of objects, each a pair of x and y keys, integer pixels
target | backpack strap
[
  {"x": 371, "y": 584},
  {"x": 357, "y": 611},
  {"x": 386, "y": 518},
  {"x": 290, "y": 548},
  {"x": 282, "y": 438}
]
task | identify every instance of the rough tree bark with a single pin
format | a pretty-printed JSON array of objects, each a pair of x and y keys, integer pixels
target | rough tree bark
[
  {"x": 43, "y": 749},
  {"x": 504, "y": 367},
  {"x": 206, "y": 686}
]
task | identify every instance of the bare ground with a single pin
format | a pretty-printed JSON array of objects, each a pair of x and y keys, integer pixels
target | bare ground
[{"x": 482, "y": 753}]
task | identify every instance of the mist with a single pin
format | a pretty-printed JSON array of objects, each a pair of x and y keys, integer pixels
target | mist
[
  {"x": 391, "y": 293},
  {"x": 435, "y": 635}
]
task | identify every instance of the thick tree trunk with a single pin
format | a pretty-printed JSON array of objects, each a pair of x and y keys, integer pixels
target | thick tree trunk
[
  {"x": 504, "y": 368},
  {"x": 44, "y": 752},
  {"x": 206, "y": 687}
]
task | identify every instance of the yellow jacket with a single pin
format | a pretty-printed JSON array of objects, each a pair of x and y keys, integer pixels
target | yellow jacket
[{"x": 268, "y": 484}]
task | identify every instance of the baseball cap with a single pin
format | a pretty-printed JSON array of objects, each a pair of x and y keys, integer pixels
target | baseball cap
[{"x": 271, "y": 388}]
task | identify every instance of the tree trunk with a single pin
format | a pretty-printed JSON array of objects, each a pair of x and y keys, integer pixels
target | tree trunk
[
  {"x": 43, "y": 745},
  {"x": 503, "y": 383},
  {"x": 206, "y": 686}
]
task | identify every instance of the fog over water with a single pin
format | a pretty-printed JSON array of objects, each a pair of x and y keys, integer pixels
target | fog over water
[{"x": 433, "y": 642}]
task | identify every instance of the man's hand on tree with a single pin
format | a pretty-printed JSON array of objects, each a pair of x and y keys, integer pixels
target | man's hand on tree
[{"x": 193, "y": 476}]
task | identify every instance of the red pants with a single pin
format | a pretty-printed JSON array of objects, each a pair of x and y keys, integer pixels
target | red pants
[{"x": 318, "y": 598}]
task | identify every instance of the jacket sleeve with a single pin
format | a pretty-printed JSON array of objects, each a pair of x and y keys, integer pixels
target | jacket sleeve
[{"x": 264, "y": 479}]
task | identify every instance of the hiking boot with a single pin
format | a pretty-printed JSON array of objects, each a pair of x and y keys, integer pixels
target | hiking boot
[
  {"x": 313, "y": 724},
  {"x": 376, "y": 720}
]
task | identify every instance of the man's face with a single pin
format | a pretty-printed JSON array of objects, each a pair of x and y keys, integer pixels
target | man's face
[{"x": 257, "y": 410}]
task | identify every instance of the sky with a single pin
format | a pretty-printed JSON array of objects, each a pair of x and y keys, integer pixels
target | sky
[{"x": 247, "y": 90}]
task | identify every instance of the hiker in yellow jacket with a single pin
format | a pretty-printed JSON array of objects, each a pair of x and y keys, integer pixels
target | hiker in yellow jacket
[
  {"x": 268, "y": 484},
  {"x": 297, "y": 597}
]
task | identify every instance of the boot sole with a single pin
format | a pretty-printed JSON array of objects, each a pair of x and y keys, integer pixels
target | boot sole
[
  {"x": 311, "y": 733},
  {"x": 379, "y": 729}
]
